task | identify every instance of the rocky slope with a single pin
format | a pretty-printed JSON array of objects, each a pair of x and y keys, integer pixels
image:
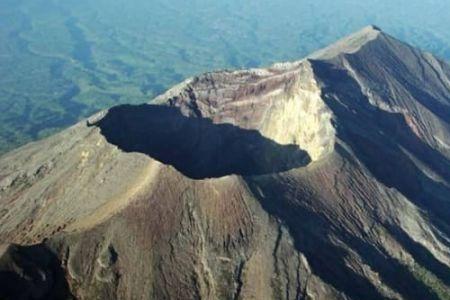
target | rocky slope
[{"x": 326, "y": 178}]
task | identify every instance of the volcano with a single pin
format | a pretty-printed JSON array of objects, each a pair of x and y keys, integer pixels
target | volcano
[{"x": 324, "y": 178}]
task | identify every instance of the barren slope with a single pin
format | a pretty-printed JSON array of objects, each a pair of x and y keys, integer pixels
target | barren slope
[{"x": 326, "y": 178}]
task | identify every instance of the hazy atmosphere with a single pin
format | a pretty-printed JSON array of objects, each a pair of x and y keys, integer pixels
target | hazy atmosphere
[{"x": 63, "y": 60}]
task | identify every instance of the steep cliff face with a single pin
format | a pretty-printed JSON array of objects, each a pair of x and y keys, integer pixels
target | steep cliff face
[
  {"x": 283, "y": 103},
  {"x": 326, "y": 178}
]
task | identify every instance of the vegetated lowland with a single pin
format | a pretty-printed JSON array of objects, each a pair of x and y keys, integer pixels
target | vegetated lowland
[{"x": 63, "y": 60}]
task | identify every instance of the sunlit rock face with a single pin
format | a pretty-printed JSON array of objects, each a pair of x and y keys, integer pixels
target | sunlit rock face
[
  {"x": 283, "y": 103},
  {"x": 299, "y": 116},
  {"x": 325, "y": 178}
]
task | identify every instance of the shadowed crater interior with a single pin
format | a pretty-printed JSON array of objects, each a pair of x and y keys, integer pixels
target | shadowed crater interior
[
  {"x": 196, "y": 146},
  {"x": 31, "y": 272}
]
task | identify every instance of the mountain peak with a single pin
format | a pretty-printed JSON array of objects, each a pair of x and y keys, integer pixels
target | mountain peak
[
  {"x": 246, "y": 184},
  {"x": 349, "y": 44},
  {"x": 374, "y": 27}
]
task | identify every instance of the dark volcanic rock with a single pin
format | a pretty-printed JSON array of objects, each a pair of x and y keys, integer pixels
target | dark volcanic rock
[
  {"x": 196, "y": 146},
  {"x": 31, "y": 272}
]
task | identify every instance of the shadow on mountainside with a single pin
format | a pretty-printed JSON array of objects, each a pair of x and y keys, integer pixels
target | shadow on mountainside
[
  {"x": 196, "y": 146},
  {"x": 315, "y": 235},
  {"x": 32, "y": 272},
  {"x": 396, "y": 61},
  {"x": 380, "y": 141},
  {"x": 422, "y": 255},
  {"x": 385, "y": 144}
]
